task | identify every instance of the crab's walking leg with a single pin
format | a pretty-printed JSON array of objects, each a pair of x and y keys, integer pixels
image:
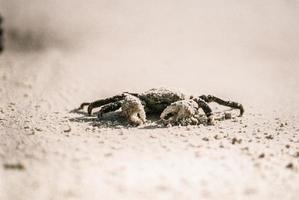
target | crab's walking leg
[
  {"x": 206, "y": 108},
  {"x": 101, "y": 102},
  {"x": 109, "y": 108},
  {"x": 83, "y": 105},
  {"x": 232, "y": 104}
]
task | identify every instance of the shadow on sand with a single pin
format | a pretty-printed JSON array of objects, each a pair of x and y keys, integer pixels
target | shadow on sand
[{"x": 114, "y": 120}]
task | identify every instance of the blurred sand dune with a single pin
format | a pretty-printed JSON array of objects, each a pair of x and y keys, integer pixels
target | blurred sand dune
[{"x": 215, "y": 46}]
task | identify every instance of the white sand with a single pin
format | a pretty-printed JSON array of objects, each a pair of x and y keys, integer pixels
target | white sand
[{"x": 197, "y": 48}]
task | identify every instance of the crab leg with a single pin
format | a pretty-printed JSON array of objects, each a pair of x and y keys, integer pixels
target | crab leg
[
  {"x": 101, "y": 102},
  {"x": 204, "y": 106},
  {"x": 109, "y": 108},
  {"x": 231, "y": 104}
]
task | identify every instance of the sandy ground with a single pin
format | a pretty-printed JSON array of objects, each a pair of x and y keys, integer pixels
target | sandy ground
[{"x": 46, "y": 152}]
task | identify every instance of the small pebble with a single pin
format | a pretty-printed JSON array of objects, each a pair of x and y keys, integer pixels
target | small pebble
[
  {"x": 290, "y": 166},
  {"x": 67, "y": 129},
  {"x": 38, "y": 129},
  {"x": 269, "y": 137},
  {"x": 236, "y": 141},
  {"x": 108, "y": 154},
  {"x": 15, "y": 166},
  {"x": 227, "y": 115},
  {"x": 261, "y": 155}
]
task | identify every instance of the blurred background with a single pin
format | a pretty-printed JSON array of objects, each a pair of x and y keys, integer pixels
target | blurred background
[{"x": 229, "y": 48}]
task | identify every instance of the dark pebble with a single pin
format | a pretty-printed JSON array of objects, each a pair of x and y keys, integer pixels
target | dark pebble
[{"x": 14, "y": 166}]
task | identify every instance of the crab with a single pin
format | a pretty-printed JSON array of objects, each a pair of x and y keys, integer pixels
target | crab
[{"x": 173, "y": 107}]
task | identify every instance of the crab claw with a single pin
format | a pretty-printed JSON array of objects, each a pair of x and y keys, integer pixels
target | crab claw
[
  {"x": 180, "y": 112},
  {"x": 133, "y": 110}
]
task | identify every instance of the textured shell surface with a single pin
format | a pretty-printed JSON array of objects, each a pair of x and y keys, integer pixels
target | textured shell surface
[
  {"x": 162, "y": 95},
  {"x": 157, "y": 99}
]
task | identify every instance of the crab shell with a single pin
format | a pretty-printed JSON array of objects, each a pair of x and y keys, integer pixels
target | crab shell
[{"x": 156, "y": 100}]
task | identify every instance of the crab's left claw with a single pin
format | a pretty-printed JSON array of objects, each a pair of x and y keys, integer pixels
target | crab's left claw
[{"x": 169, "y": 113}]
